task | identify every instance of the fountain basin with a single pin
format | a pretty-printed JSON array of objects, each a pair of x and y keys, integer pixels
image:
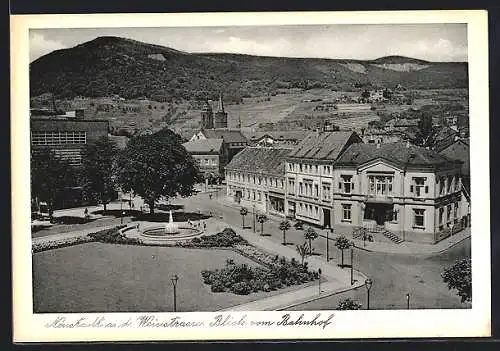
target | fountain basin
[{"x": 158, "y": 234}]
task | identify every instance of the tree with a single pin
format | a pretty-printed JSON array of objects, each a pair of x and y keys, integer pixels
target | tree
[
  {"x": 284, "y": 226},
  {"x": 99, "y": 165},
  {"x": 157, "y": 166},
  {"x": 426, "y": 133},
  {"x": 243, "y": 213},
  {"x": 459, "y": 277},
  {"x": 49, "y": 175},
  {"x": 261, "y": 218},
  {"x": 310, "y": 235},
  {"x": 342, "y": 243},
  {"x": 348, "y": 304},
  {"x": 303, "y": 250},
  {"x": 365, "y": 94}
]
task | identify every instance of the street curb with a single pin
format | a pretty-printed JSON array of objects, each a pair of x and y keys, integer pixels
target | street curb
[{"x": 332, "y": 293}]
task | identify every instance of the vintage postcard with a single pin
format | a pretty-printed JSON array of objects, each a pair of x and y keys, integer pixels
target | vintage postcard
[{"x": 250, "y": 176}]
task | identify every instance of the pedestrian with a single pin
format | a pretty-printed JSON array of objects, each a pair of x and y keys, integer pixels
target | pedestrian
[
  {"x": 210, "y": 196},
  {"x": 86, "y": 213},
  {"x": 204, "y": 226}
]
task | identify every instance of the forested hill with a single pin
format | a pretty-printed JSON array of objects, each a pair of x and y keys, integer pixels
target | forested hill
[{"x": 129, "y": 68}]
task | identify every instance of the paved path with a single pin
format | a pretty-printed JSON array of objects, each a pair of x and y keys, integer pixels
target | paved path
[
  {"x": 68, "y": 235},
  {"x": 338, "y": 279}
]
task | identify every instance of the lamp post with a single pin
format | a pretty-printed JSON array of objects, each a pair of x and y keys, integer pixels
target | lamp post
[
  {"x": 253, "y": 214},
  {"x": 408, "y": 301},
  {"x": 327, "y": 243},
  {"x": 319, "y": 281},
  {"x": 174, "y": 280},
  {"x": 368, "y": 284},
  {"x": 352, "y": 251}
]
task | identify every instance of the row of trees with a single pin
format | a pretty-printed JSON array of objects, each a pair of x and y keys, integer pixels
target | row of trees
[{"x": 152, "y": 166}]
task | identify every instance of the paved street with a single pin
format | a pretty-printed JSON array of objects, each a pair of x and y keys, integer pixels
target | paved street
[{"x": 394, "y": 274}]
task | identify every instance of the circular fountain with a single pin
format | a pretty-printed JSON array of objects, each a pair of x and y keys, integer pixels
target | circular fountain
[{"x": 169, "y": 232}]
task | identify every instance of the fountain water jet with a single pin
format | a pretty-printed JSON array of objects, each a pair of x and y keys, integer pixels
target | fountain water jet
[{"x": 171, "y": 227}]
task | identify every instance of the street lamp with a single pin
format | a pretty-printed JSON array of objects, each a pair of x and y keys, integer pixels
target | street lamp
[
  {"x": 174, "y": 280},
  {"x": 253, "y": 212},
  {"x": 368, "y": 284},
  {"x": 408, "y": 301},
  {"x": 319, "y": 281},
  {"x": 352, "y": 251},
  {"x": 327, "y": 243}
]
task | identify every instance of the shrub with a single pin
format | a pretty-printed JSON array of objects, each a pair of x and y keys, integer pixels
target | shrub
[
  {"x": 226, "y": 238},
  {"x": 348, "y": 304},
  {"x": 241, "y": 288},
  {"x": 113, "y": 236}
]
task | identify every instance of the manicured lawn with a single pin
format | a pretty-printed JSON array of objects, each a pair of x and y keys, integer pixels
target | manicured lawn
[{"x": 98, "y": 277}]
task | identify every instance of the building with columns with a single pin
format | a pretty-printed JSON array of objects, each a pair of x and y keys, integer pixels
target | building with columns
[{"x": 409, "y": 191}]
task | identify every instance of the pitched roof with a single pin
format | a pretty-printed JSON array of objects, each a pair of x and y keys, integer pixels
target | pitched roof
[
  {"x": 203, "y": 146},
  {"x": 458, "y": 150},
  {"x": 402, "y": 154},
  {"x": 277, "y": 135},
  {"x": 260, "y": 160},
  {"x": 323, "y": 145},
  {"x": 229, "y": 135}
]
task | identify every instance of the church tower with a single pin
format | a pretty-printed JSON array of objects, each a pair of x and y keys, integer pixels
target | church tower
[
  {"x": 221, "y": 115},
  {"x": 207, "y": 117}
]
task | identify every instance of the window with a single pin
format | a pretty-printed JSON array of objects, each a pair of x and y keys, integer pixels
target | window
[
  {"x": 418, "y": 217},
  {"x": 301, "y": 189},
  {"x": 346, "y": 212},
  {"x": 253, "y": 195},
  {"x": 300, "y": 167},
  {"x": 316, "y": 190},
  {"x": 254, "y": 179},
  {"x": 455, "y": 212},
  {"x": 258, "y": 196},
  {"x": 291, "y": 186},
  {"x": 395, "y": 215},
  {"x": 316, "y": 210},
  {"x": 457, "y": 182},
  {"x": 441, "y": 220},
  {"x": 58, "y": 138},
  {"x": 281, "y": 185},
  {"x": 346, "y": 184},
  {"x": 260, "y": 180},
  {"x": 419, "y": 186},
  {"x": 316, "y": 169},
  {"x": 326, "y": 192},
  {"x": 441, "y": 185},
  {"x": 449, "y": 185},
  {"x": 448, "y": 213},
  {"x": 380, "y": 185}
]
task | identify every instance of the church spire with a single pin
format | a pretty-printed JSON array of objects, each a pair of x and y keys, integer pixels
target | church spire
[{"x": 221, "y": 104}]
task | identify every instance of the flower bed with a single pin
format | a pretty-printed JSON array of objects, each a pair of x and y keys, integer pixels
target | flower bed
[
  {"x": 54, "y": 244},
  {"x": 242, "y": 279},
  {"x": 113, "y": 236},
  {"x": 226, "y": 238}
]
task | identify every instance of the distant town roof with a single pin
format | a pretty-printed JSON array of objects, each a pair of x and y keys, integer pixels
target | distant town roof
[
  {"x": 260, "y": 160},
  {"x": 229, "y": 135},
  {"x": 204, "y": 146},
  {"x": 324, "y": 145},
  {"x": 402, "y": 154},
  {"x": 277, "y": 135}
]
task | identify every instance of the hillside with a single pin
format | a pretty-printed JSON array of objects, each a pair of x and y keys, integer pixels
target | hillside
[{"x": 131, "y": 69}]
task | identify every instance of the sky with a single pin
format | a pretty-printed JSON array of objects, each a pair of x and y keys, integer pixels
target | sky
[{"x": 432, "y": 42}]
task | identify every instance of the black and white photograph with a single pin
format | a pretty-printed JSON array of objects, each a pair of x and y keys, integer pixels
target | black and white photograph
[{"x": 281, "y": 168}]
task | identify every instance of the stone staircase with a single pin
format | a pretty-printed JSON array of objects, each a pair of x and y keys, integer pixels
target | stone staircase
[{"x": 392, "y": 237}]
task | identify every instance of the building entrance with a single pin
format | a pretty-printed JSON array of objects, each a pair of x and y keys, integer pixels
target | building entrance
[
  {"x": 326, "y": 218},
  {"x": 378, "y": 212}
]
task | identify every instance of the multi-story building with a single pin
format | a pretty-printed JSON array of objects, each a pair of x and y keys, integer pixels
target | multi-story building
[
  {"x": 66, "y": 136},
  {"x": 234, "y": 141},
  {"x": 309, "y": 175},
  {"x": 255, "y": 179},
  {"x": 211, "y": 156},
  {"x": 407, "y": 190}
]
